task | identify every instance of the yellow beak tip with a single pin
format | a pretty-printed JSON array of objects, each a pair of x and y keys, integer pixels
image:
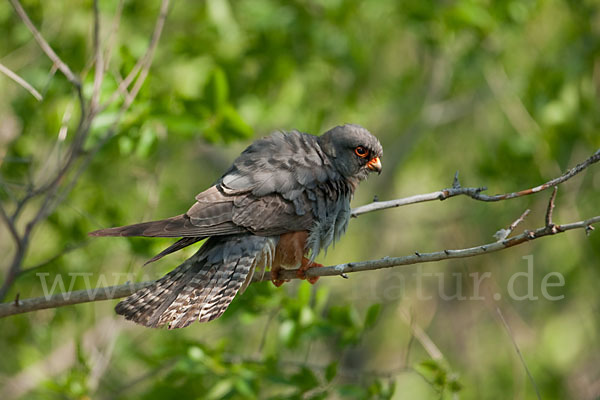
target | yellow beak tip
[{"x": 375, "y": 165}]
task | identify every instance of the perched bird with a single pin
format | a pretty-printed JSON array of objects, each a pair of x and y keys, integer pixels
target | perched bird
[{"x": 286, "y": 197}]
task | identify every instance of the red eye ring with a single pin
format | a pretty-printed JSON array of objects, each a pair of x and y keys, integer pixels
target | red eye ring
[{"x": 361, "y": 152}]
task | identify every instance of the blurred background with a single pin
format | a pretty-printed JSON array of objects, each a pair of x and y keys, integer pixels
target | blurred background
[{"x": 506, "y": 92}]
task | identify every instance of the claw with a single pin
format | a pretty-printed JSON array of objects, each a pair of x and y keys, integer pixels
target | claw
[
  {"x": 279, "y": 282},
  {"x": 275, "y": 278},
  {"x": 305, "y": 266}
]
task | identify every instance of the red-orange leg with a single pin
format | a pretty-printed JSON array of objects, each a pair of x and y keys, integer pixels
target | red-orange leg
[{"x": 305, "y": 266}]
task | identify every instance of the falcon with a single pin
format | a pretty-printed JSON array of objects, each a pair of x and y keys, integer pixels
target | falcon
[{"x": 284, "y": 199}]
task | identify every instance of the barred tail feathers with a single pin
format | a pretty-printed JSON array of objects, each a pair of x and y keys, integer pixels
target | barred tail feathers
[{"x": 202, "y": 287}]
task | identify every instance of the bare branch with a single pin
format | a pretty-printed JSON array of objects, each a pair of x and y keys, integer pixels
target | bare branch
[
  {"x": 114, "y": 292},
  {"x": 147, "y": 61},
  {"x": 143, "y": 64},
  {"x": 10, "y": 225},
  {"x": 504, "y": 233},
  {"x": 475, "y": 193},
  {"x": 519, "y": 220},
  {"x": 15, "y": 266},
  {"x": 418, "y": 258},
  {"x": 65, "y": 299},
  {"x": 21, "y": 82},
  {"x": 57, "y": 188},
  {"x": 382, "y": 205},
  {"x": 64, "y": 68},
  {"x": 550, "y": 208}
]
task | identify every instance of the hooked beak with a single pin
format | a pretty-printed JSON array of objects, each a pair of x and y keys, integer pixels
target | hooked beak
[{"x": 375, "y": 165}]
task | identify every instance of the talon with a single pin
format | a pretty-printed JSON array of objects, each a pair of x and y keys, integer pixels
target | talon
[
  {"x": 275, "y": 278},
  {"x": 305, "y": 266},
  {"x": 300, "y": 273},
  {"x": 279, "y": 282}
]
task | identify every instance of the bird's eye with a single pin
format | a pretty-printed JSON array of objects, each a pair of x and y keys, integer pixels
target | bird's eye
[{"x": 361, "y": 152}]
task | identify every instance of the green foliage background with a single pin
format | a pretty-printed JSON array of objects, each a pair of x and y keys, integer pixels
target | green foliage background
[{"x": 507, "y": 92}]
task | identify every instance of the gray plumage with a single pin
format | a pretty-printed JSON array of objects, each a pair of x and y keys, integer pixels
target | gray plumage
[{"x": 287, "y": 182}]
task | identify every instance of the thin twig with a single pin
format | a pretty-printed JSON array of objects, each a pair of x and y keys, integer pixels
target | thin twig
[
  {"x": 98, "y": 62},
  {"x": 64, "y": 68},
  {"x": 10, "y": 225},
  {"x": 15, "y": 266},
  {"x": 51, "y": 74},
  {"x": 47, "y": 207},
  {"x": 504, "y": 233},
  {"x": 411, "y": 340},
  {"x": 54, "y": 156},
  {"x": 51, "y": 190},
  {"x": 58, "y": 188},
  {"x": 422, "y": 337},
  {"x": 114, "y": 292},
  {"x": 550, "y": 208},
  {"x": 67, "y": 249},
  {"x": 143, "y": 64},
  {"x": 160, "y": 21},
  {"x": 113, "y": 34},
  {"x": 52, "y": 186},
  {"x": 514, "y": 342},
  {"x": 147, "y": 62},
  {"x": 21, "y": 82},
  {"x": 519, "y": 220},
  {"x": 475, "y": 193}
]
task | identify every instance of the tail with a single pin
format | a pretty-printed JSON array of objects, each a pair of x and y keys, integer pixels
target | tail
[
  {"x": 203, "y": 286},
  {"x": 170, "y": 227}
]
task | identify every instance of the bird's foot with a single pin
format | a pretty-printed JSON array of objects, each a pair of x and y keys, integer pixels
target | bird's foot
[
  {"x": 305, "y": 266},
  {"x": 275, "y": 277}
]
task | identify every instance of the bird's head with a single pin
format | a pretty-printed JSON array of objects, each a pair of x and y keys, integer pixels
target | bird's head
[{"x": 353, "y": 150}]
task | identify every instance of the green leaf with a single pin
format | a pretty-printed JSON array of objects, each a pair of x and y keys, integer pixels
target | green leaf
[
  {"x": 220, "y": 389},
  {"x": 287, "y": 331},
  {"x": 372, "y": 315},
  {"x": 217, "y": 90},
  {"x": 331, "y": 371},
  {"x": 184, "y": 125},
  {"x": 307, "y": 316},
  {"x": 196, "y": 353},
  {"x": 321, "y": 297},
  {"x": 147, "y": 139},
  {"x": 303, "y": 295},
  {"x": 244, "y": 388},
  {"x": 454, "y": 385},
  {"x": 125, "y": 145},
  {"x": 232, "y": 126},
  {"x": 352, "y": 390},
  {"x": 431, "y": 365},
  {"x": 304, "y": 379}
]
